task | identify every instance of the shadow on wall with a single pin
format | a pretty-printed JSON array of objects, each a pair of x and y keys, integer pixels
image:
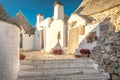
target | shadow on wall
[{"x": 104, "y": 25}]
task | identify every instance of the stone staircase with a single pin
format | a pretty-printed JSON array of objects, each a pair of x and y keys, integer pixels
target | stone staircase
[{"x": 60, "y": 69}]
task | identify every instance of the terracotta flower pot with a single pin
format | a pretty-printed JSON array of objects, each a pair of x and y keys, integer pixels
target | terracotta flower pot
[
  {"x": 77, "y": 56},
  {"x": 85, "y": 55},
  {"x": 85, "y": 52},
  {"x": 22, "y": 57},
  {"x": 58, "y": 51}
]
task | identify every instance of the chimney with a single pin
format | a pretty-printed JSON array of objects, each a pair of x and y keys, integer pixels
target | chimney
[
  {"x": 58, "y": 10},
  {"x": 40, "y": 17}
]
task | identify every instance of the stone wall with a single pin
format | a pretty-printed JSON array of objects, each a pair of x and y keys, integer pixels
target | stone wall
[
  {"x": 107, "y": 51},
  {"x": 113, "y": 13},
  {"x": 9, "y": 51}
]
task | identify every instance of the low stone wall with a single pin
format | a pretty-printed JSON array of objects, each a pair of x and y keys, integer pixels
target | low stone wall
[{"x": 107, "y": 52}]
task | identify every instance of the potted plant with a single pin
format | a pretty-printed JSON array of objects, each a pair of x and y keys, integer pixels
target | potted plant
[
  {"x": 77, "y": 56},
  {"x": 85, "y": 52},
  {"x": 57, "y": 51}
]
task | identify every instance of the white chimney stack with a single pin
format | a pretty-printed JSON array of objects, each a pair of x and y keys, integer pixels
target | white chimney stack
[
  {"x": 58, "y": 10},
  {"x": 40, "y": 17}
]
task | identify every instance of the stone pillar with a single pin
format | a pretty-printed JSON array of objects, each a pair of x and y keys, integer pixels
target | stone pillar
[{"x": 9, "y": 51}]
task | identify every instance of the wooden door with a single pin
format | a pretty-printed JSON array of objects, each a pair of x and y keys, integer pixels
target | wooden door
[{"x": 73, "y": 39}]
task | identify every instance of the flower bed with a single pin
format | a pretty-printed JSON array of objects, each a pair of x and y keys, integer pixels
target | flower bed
[
  {"x": 85, "y": 52},
  {"x": 58, "y": 51},
  {"x": 92, "y": 37}
]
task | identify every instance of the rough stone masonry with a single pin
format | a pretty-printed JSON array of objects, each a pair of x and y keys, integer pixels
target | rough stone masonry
[{"x": 107, "y": 51}]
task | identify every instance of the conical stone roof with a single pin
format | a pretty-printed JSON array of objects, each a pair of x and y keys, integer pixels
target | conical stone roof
[
  {"x": 5, "y": 17},
  {"x": 21, "y": 20},
  {"x": 89, "y": 7}
]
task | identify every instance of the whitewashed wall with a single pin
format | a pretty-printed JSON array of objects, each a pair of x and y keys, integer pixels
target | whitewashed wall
[
  {"x": 83, "y": 40},
  {"x": 51, "y": 29},
  {"x": 28, "y": 42},
  {"x": 9, "y": 51},
  {"x": 37, "y": 40},
  {"x": 75, "y": 21},
  {"x": 80, "y": 21},
  {"x": 52, "y": 34},
  {"x": 42, "y": 25},
  {"x": 58, "y": 11}
]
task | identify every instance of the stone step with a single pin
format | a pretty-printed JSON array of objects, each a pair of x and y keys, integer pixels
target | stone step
[
  {"x": 57, "y": 72},
  {"x": 68, "y": 77},
  {"x": 58, "y": 66},
  {"x": 56, "y": 61}
]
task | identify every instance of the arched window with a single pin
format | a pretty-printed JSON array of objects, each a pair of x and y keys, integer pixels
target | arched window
[{"x": 73, "y": 23}]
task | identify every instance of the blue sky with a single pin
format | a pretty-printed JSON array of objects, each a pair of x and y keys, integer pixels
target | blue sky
[{"x": 31, "y": 8}]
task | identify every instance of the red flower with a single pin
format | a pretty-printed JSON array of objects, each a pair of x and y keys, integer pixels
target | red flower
[
  {"x": 92, "y": 37},
  {"x": 84, "y": 51},
  {"x": 57, "y": 51}
]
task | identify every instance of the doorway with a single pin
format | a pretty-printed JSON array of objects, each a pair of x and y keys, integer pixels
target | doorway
[
  {"x": 73, "y": 39},
  {"x": 42, "y": 39},
  {"x": 21, "y": 41}
]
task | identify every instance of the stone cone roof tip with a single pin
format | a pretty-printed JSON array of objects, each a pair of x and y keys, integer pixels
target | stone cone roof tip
[
  {"x": 19, "y": 13},
  {"x": 20, "y": 19},
  {"x": 4, "y": 16}
]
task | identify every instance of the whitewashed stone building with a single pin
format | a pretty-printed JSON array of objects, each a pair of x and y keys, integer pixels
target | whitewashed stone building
[
  {"x": 73, "y": 30},
  {"x": 9, "y": 46},
  {"x": 89, "y": 17},
  {"x": 49, "y": 28},
  {"x": 27, "y": 37}
]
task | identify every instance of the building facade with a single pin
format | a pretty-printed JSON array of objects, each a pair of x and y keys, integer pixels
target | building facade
[{"x": 48, "y": 29}]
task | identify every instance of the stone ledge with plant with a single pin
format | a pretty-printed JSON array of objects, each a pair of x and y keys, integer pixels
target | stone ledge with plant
[{"x": 92, "y": 37}]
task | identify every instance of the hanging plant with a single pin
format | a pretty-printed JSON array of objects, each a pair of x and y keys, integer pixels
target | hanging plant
[{"x": 92, "y": 37}]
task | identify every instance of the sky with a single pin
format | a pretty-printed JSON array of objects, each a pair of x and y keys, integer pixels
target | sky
[{"x": 31, "y": 8}]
